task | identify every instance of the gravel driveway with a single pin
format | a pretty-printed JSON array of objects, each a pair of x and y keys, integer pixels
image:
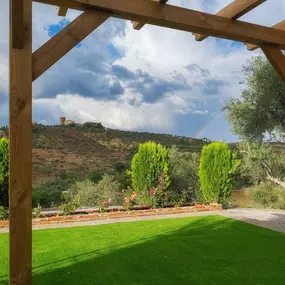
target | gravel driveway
[{"x": 271, "y": 219}]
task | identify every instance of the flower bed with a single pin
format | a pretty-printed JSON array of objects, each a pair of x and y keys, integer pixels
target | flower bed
[{"x": 120, "y": 214}]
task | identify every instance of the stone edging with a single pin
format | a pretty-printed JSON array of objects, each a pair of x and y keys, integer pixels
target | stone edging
[{"x": 120, "y": 215}]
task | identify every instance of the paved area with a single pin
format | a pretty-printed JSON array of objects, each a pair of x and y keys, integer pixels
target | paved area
[{"x": 270, "y": 219}]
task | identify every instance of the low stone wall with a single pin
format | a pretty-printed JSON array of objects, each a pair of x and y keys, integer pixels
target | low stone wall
[{"x": 120, "y": 215}]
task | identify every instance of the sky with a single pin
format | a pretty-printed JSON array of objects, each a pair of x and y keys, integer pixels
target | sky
[{"x": 155, "y": 80}]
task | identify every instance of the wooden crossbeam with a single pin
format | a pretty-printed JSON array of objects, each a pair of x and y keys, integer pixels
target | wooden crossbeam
[
  {"x": 233, "y": 11},
  {"x": 17, "y": 23},
  {"x": 276, "y": 58},
  {"x": 279, "y": 26},
  {"x": 20, "y": 150},
  {"x": 139, "y": 25},
  {"x": 66, "y": 39},
  {"x": 62, "y": 11},
  {"x": 182, "y": 19}
]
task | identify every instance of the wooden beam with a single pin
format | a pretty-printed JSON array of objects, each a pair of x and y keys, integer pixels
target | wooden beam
[
  {"x": 279, "y": 26},
  {"x": 62, "y": 11},
  {"x": 276, "y": 58},
  {"x": 233, "y": 11},
  {"x": 183, "y": 19},
  {"x": 139, "y": 25},
  {"x": 20, "y": 152},
  {"x": 66, "y": 39},
  {"x": 17, "y": 30}
]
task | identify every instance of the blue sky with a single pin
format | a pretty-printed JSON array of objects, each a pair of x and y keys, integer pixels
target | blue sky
[{"x": 156, "y": 79}]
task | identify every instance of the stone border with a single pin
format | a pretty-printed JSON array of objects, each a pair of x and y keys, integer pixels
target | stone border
[{"x": 119, "y": 215}]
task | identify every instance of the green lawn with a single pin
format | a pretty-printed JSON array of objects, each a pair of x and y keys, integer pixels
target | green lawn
[{"x": 201, "y": 250}]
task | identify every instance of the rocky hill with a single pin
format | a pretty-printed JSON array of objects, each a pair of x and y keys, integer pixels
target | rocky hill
[{"x": 62, "y": 149}]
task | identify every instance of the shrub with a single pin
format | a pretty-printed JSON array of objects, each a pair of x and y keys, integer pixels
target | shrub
[
  {"x": 218, "y": 165},
  {"x": 147, "y": 165},
  {"x": 50, "y": 191},
  {"x": 71, "y": 204},
  {"x": 130, "y": 198},
  {"x": 37, "y": 211},
  {"x": 91, "y": 194},
  {"x": 4, "y": 173},
  {"x": 185, "y": 176},
  {"x": 95, "y": 176},
  {"x": 3, "y": 213},
  {"x": 268, "y": 195},
  {"x": 120, "y": 166}
]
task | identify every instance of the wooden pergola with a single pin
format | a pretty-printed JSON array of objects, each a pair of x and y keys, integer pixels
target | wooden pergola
[{"x": 26, "y": 66}]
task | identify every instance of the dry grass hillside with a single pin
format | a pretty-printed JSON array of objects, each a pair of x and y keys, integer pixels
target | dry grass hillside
[{"x": 80, "y": 149}]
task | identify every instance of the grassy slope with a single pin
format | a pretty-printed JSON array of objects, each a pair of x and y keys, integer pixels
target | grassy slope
[{"x": 200, "y": 250}]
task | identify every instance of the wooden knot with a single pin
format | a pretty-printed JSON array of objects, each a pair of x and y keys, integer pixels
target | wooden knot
[{"x": 17, "y": 103}]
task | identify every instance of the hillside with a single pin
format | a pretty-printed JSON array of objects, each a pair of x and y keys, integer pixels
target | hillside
[{"x": 59, "y": 150}]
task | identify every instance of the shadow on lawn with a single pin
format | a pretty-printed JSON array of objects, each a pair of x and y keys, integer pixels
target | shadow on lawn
[{"x": 207, "y": 251}]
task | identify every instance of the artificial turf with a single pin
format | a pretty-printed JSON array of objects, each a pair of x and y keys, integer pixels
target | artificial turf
[{"x": 200, "y": 250}]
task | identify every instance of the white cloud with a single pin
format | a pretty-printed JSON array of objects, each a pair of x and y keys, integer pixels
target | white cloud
[{"x": 160, "y": 52}]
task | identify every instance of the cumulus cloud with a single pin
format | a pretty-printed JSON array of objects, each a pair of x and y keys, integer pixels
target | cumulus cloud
[{"x": 155, "y": 79}]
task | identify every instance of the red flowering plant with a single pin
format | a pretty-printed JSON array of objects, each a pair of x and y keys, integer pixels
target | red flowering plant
[
  {"x": 159, "y": 195},
  {"x": 130, "y": 198},
  {"x": 104, "y": 205}
]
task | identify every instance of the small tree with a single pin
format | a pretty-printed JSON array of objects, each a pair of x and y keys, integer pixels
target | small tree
[
  {"x": 218, "y": 164},
  {"x": 147, "y": 165},
  {"x": 4, "y": 178}
]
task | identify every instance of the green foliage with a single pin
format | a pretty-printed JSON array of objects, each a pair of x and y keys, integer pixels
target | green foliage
[
  {"x": 37, "y": 211},
  {"x": 260, "y": 161},
  {"x": 261, "y": 108},
  {"x": 95, "y": 176},
  {"x": 71, "y": 203},
  {"x": 91, "y": 194},
  {"x": 50, "y": 191},
  {"x": 185, "y": 176},
  {"x": 4, "y": 172},
  {"x": 4, "y": 215},
  {"x": 120, "y": 167},
  {"x": 130, "y": 198},
  {"x": 268, "y": 195},
  {"x": 147, "y": 165},
  {"x": 218, "y": 165}
]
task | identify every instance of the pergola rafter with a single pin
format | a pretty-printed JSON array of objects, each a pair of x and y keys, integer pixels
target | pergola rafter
[{"x": 26, "y": 67}]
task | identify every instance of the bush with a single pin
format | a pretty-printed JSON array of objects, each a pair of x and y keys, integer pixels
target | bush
[
  {"x": 37, "y": 211},
  {"x": 71, "y": 204},
  {"x": 218, "y": 165},
  {"x": 50, "y": 192},
  {"x": 95, "y": 176},
  {"x": 185, "y": 176},
  {"x": 147, "y": 165},
  {"x": 4, "y": 173},
  {"x": 268, "y": 195},
  {"x": 120, "y": 166},
  {"x": 3, "y": 213},
  {"x": 91, "y": 194}
]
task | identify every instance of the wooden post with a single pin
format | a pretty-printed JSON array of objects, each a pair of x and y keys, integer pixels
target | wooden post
[
  {"x": 276, "y": 58},
  {"x": 20, "y": 150}
]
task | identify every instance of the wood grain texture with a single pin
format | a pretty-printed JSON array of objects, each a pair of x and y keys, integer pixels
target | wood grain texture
[
  {"x": 17, "y": 30},
  {"x": 276, "y": 58},
  {"x": 279, "y": 26},
  {"x": 183, "y": 19},
  {"x": 62, "y": 11},
  {"x": 138, "y": 25},
  {"x": 55, "y": 48},
  {"x": 234, "y": 10},
  {"x": 20, "y": 153}
]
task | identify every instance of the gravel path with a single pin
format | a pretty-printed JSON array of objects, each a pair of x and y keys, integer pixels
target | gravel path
[{"x": 271, "y": 219}]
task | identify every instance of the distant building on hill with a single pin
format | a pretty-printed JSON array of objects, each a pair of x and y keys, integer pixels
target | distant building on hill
[{"x": 63, "y": 121}]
